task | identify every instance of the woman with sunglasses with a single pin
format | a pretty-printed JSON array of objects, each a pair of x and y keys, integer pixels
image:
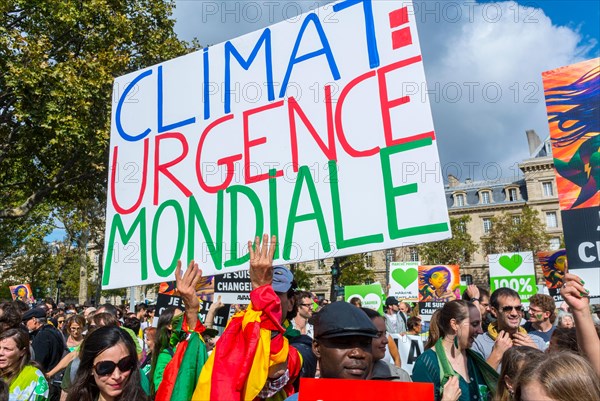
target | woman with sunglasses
[
  {"x": 24, "y": 380},
  {"x": 108, "y": 369}
]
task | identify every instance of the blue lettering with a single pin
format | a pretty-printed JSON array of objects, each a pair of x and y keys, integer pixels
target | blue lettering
[
  {"x": 161, "y": 127},
  {"x": 124, "y": 135},
  {"x": 369, "y": 27},
  {"x": 326, "y": 50},
  {"x": 245, "y": 64}
]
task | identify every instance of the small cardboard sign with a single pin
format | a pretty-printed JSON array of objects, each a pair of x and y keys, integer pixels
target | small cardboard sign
[
  {"x": 513, "y": 270},
  {"x": 22, "y": 292},
  {"x": 404, "y": 280},
  {"x": 234, "y": 288},
  {"x": 370, "y": 295},
  {"x": 363, "y": 390},
  {"x": 439, "y": 283}
]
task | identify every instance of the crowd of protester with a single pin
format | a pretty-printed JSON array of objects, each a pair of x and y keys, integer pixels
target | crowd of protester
[{"x": 484, "y": 347}]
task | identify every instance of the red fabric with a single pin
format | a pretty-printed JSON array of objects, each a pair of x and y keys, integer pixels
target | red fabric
[
  {"x": 165, "y": 389},
  {"x": 235, "y": 350},
  {"x": 198, "y": 329}
]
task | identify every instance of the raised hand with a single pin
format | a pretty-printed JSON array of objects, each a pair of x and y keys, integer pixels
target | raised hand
[
  {"x": 261, "y": 260},
  {"x": 186, "y": 286},
  {"x": 574, "y": 294}
]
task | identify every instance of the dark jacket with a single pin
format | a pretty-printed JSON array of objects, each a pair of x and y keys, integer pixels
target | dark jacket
[{"x": 48, "y": 347}]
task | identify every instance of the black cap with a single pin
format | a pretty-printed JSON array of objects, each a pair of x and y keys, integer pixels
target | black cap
[
  {"x": 35, "y": 312},
  {"x": 341, "y": 319},
  {"x": 391, "y": 301}
]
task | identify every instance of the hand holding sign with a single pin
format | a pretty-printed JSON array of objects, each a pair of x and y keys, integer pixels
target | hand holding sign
[
  {"x": 261, "y": 260},
  {"x": 574, "y": 294},
  {"x": 186, "y": 286}
]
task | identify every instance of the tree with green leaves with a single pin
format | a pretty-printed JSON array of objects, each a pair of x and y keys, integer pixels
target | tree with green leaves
[
  {"x": 510, "y": 233},
  {"x": 353, "y": 270},
  {"x": 58, "y": 61},
  {"x": 302, "y": 278},
  {"x": 457, "y": 250}
]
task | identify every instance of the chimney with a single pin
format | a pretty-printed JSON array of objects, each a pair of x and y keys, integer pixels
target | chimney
[
  {"x": 533, "y": 140},
  {"x": 452, "y": 181}
]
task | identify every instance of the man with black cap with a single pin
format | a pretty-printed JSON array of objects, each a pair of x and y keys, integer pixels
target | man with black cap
[
  {"x": 395, "y": 320},
  {"x": 342, "y": 343},
  {"x": 47, "y": 342}
]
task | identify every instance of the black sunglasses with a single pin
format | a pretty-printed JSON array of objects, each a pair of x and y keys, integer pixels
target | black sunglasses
[
  {"x": 507, "y": 309},
  {"x": 105, "y": 368}
]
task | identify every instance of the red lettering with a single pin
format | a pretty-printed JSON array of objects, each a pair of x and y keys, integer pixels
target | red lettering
[
  {"x": 227, "y": 161},
  {"x": 255, "y": 142},
  {"x": 164, "y": 167},
  {"x": 338, "y": 118},
  {"x": 113, "y": 174},
  {"x": 328, "y": 150},
  {"x": 386, "y": 103}
]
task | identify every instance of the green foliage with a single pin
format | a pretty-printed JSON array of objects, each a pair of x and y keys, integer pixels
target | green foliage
[
  {"x": 354, "y": 270},
  {"x": 58, "y": 61},
  {"x": 302, "y": 278},
  {"x": 508, "y": 234},
  {"x": 457, "y": 250}
]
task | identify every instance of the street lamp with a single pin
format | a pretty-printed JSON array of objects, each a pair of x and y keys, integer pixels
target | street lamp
[
  {"x": 335, "y": 274},
  {"x": 59, "y": 284}
]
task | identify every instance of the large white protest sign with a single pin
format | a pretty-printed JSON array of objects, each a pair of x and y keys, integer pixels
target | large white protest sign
[{"x": 313, "y": 129}]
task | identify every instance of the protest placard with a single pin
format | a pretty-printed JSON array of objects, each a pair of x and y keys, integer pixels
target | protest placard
[
  {"x": 164, "y": 301},
  {"x": 22, "y": 292},
  {"x": 363, "y": 390},
  {"x": 370, "y": 295},
  {"x": 234, "y": 288},
  {"x": 404, "y": 280},
  {"x": 513, "y": 270},
  {"x": 311, "y": 130},
  {"x": 554, "y": 266},
  {"x": 572, "y": 97},
  {"x": 409, "y": 348}
]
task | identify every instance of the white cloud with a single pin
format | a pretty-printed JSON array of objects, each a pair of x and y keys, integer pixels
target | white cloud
[{"x": 484, "y": 62}]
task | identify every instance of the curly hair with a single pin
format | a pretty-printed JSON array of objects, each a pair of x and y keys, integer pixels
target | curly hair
[{"x": 546, "y": 303}]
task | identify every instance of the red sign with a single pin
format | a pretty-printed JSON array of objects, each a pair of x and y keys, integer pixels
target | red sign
[{"x": 363, "y": 390}]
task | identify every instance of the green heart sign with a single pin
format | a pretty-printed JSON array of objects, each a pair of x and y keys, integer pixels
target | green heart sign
[
  {"x": 511, "y": 264},
  {"x": 405, "y": 278}
]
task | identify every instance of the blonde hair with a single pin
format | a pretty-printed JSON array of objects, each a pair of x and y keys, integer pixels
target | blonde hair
[{"x": 564, "y": 376}]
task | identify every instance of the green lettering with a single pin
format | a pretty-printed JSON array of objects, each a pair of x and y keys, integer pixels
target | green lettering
[
  {"x": 180, "y": 238},
  {"x": 214, "y": 247},
  {"x": 274, "y": 219},
  {"x": 117, "y": 224},
  {"x": 234, "y": 190},
  {"x": 305, "y": 176},
  {"x": 338, "y": 223},
  {"x": 392, "y": 192}
]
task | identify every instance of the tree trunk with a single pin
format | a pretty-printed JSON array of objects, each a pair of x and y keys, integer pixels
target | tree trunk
[{"x": 83, "y": 274}]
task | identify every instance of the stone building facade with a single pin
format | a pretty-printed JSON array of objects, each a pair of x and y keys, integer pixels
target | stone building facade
[{"x": 534, "y": 185}]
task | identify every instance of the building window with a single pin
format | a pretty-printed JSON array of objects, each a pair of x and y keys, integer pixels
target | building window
[
  {"x": 414, "y": 254},
  {"x": 487, "y": 225},
  {"x": 461, "y": 226},
  {"x": 516, "y": 219},
  {"x": 547, "y": 187},
  {"x": 551, "y": 221},
  {"x": 460, "y": 200},
  {"x": 369, "y": 259},
  {"x": 554, "y": 244},
  {"x": 485, "y": 197},
  {"x": 512, "y": 195}
]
